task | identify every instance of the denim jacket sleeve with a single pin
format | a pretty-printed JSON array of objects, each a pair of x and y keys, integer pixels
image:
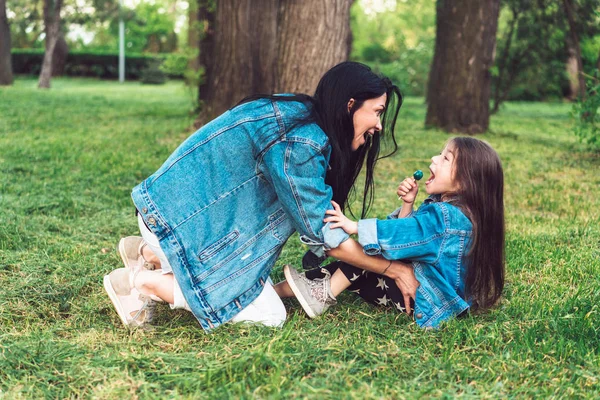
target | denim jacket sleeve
[
  {"x": 297, "y": 171},
  {"x": 416, "y": 238},
  {"x": 396, "y": 213}
]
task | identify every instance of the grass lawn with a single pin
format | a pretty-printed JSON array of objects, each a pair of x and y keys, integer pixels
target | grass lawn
[{"x": 69, "y": 158}]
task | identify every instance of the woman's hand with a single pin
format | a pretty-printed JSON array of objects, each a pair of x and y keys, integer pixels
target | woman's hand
[
  {"x": 407, "y": 190},
  {"x": 340, "y": 220},
  {"x": 404, "y": 276}
]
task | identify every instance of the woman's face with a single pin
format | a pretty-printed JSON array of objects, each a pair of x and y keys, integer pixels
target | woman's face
[{"x": 367, "y": 119}]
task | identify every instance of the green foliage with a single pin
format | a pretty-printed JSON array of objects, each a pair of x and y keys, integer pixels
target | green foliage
[
  {"x": 396, "y": 40},
  {"x": 69, "y": 159},
  {"x": 410, "y": 71},
  {"x": 97, "y": 64},
  {"x": 153, "y": 74},
  {"x": 587, "y": 126},
  {"x": 526, "y": 70}
]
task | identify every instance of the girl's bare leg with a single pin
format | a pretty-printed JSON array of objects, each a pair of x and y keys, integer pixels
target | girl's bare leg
[{"x": 155, "y": 283}]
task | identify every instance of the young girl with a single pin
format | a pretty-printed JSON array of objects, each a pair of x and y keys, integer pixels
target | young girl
[{"x": 455, "y": 242}]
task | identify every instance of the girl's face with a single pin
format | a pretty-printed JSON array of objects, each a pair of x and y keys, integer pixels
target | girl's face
[
  {"x": 367, "y": 119},
  {"x": 442, "y": 172}
]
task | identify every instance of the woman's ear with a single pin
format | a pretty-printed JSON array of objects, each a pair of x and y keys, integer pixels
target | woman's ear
[{"x": 350, "y": 104}]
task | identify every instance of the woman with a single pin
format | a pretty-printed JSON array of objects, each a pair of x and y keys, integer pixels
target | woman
[{"x": 219, "y": 210}]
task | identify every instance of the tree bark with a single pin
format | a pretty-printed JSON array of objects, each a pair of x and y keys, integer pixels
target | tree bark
[
  {"x": 313, "y": 36},
  {"x": 270, "y": 46},
  {"x": 574, "y": 38},
  {"x": 459, "y": 82},
  {"x": 194, "y": 37},
  {"x": 59, "y": 58},
  {"x": 6, "y": 74},
  {"x": 52, "y": 29}
]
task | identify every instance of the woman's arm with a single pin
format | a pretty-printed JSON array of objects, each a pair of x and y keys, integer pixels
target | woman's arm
[{"x": 403, "y": 274}]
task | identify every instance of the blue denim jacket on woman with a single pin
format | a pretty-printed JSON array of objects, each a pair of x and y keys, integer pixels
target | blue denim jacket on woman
[
  {"x": 225, "y": 202},
  {"x": 435, "y": 239}
]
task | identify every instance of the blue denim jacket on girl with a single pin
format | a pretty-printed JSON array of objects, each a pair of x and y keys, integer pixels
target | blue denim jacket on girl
[
  {"x": 435, "y": 238},
  {"x": 225, "y": 202}
]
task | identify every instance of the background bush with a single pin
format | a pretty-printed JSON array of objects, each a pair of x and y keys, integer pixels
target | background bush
[{"x": 96, "y": 64}]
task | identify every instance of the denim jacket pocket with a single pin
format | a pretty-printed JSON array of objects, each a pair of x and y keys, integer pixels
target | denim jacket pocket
[{"x": 215, "y": 247}]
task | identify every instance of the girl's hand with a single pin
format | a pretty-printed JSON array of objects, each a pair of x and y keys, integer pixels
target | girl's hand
[
  {"x": 340, "y": 220},
  {"x": 407, "y": 190}
]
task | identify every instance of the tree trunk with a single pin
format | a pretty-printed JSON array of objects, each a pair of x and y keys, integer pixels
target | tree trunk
[
  {"x": 502, "y": 80},
  {"x": 241, "y": 60},
  {"x": 6, "y": 75},
  {"x": 313, "y": 36},
  {"x": 194, "y": 36},
  {"x": 568, "y": 5},
  {"x": 52, "y": 29},
  {"x": 59, "y": 58},
  {"x": 269, "y": 46},
  {"x": 459, "y": 82}
]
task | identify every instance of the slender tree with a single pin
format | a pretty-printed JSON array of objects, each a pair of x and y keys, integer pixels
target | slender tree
[
  {"x": 6, "y": 75},
  {"x": 574, "y": 44},
  {"x": 268, "y": 46},
  {"x": 52, "y": 28},
  {"x": 459, "y": 81}
]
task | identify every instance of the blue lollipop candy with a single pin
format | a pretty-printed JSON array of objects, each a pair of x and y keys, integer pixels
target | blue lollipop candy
[{"x": 418, "y": 175}]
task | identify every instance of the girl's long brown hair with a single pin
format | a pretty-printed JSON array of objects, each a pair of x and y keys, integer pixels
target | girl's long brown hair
[{"x": 478, "y": 172}]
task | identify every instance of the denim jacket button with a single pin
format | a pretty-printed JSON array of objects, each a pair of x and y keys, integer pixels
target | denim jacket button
[
  {"x": 419, "y": 315},
  {"x": 152, "y": 221},
  {"x": 144, "y": 210}
]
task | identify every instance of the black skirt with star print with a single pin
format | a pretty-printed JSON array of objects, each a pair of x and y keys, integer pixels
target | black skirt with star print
[{"x": 374, "y": 288}]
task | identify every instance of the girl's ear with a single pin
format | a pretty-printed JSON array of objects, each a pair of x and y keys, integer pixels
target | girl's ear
[{"x": 350, "y": 104}]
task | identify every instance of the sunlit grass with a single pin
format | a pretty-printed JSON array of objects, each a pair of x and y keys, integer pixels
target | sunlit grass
[{"x": 68, "y": 160}]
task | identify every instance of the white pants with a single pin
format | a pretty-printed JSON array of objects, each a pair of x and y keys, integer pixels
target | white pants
[{"x": 266, "y": 309}]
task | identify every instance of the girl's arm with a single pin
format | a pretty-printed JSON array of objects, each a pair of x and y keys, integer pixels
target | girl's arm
[
  {"x": 417, "y": 239},
  {"x": 407, "y": 191}
]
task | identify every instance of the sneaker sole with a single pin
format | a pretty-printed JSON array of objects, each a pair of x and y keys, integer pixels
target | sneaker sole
[
  {"x": 297, "y": 293},
  {"x": 114, "y": 298}
]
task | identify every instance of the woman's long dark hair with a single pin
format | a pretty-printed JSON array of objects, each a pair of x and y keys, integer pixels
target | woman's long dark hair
[
  {"x": 480, "y": 179},
  {"x": 329, "y": 109}
]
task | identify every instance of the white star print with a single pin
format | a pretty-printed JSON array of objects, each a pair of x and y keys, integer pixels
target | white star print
[
  {"x": 399, "y": 307},
  {"x": 382, "y": 284},
  {"x": 357, "y": 291},
  {"x": 354, "y": 277},
  {"x": 383, "y": 300}
]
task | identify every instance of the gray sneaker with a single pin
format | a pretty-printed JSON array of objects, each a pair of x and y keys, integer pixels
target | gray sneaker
[{"x": 315, "y": 295}]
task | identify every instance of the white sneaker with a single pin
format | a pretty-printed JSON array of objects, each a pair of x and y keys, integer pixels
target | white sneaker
[
  {"x": 134, "y": 309},
  {"x": 130, "y": 249}
]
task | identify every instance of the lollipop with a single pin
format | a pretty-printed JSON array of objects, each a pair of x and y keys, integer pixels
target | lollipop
[{"x": 418, "y": 175}]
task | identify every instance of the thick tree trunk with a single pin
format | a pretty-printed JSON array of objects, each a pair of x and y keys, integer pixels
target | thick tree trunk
[
  {"x": 52, "y": 29},
  {"x": 59, "y": 58},
  {"x": 313, "y": 36},
  {"x": 459, "y": 82},
  {"x": 6, "y": 74},
  {"x": 574, "y": 39},
  {"x": 268, "y": 46},
  {"x": 242, "y": 52}
]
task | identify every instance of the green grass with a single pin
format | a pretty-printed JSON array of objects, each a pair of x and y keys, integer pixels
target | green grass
[{"x": 68, "y": 160}]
